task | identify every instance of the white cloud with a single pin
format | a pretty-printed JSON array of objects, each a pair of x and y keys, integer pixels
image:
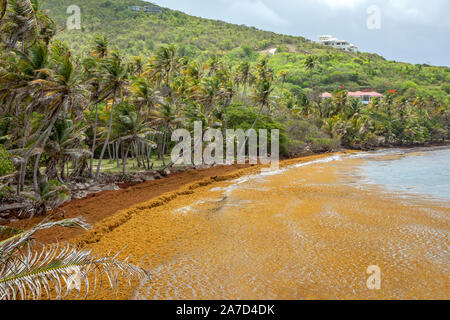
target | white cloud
[{"x": 430, "y": 12}]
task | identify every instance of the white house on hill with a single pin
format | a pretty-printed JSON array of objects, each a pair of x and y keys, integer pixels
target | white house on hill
[
  {"x": 337, "y": 43},
  {"x": 146, "y": 9}
]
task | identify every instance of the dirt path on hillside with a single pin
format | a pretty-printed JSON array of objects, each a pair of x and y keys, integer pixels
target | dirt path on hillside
[{"x": 97, "y": 207}]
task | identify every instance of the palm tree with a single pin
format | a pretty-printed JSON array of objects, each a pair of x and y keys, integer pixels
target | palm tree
[
  {"x": 115, "y": 76},
  {"x": 131, "y": 130},
  {"x": 59, "y": 91},
  {"x": 165, "y": 63},
  {"x": 311, "y": 62},
  {"x": 46, "y": 25},
  {"x": 137, "y": 66},
  {"x": 243, "y": 76},
  {"x": 282, "y": 75},
  {"x": 262, "y": 91},
  {"x": 166, "y": 116},
  {"x": 145, "y": 96},
  {"x": 101, "y": 47},
  {"x": 92, "y": 77},
  {"x": 21, "y": 23},
  {"x": 66, "y": 141},
  {"x": 3, "y": 5}
]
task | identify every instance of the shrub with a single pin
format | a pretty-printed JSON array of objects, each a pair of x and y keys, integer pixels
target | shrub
[
  {"x": 6, "y": 166},
  {"x": 324, "y": 144}
]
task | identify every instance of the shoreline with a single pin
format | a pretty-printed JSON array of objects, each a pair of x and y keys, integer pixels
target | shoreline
[
  {"x": 112, "y": 202},
  {"x": 313, "y": 220},
  {"x": 104, "y": 205},
  {"x": 114, "y": 221}
]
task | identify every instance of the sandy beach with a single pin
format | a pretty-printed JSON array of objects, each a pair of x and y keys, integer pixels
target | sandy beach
[{"x": 309, "y": 231}]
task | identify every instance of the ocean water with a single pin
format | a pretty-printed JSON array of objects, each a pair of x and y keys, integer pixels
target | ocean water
[{"x": 421, "y": 171}]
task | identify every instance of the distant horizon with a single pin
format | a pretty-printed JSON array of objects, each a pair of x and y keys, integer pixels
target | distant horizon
[{"x": 403, "y": 44}]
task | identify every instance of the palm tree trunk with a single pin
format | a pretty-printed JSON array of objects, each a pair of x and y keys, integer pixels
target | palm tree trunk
[
  {"x": 149, "y": 153},
  {"x": 117, "y": 154},
  {"x": 125, "y": 157},
  {"x": 107, "y": 137},
  {"x": 137, "y": 154},
  {"x": 91, "y": 165},
  {"x": 109, "y": 153},
  {"x": 253, "y": 126},
  {"x": 35, "y": 173},
  {"x": 163, "y": 148}
]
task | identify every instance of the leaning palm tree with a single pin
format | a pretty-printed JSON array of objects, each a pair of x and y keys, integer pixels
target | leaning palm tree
[
  {"x": 60, "y": 90},
  {"x": 18, "y": 22},
  {"x": 115, "y": 79},
  {"x": 131, "y": 130},
  {"x": 311, "y": 62},
  {"x": 243, "y": 76},
  {"x": 165, "y": 63},
  {"x": 145, "y": 96},
  {"x": 101, "y": 47},
  {"x": 167, "y": 118},
  {"x": 262, "y": 92},
  {"x": 3, "y": 5},
  {"x": 55, "y": 271},
  {"x": 66, "y": 142}
]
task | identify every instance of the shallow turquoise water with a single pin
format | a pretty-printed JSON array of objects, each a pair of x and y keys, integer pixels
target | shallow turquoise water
[{"x": 423, "y": 171}]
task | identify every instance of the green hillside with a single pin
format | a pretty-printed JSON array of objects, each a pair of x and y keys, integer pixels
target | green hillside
[{"x": 140, "y": 34}]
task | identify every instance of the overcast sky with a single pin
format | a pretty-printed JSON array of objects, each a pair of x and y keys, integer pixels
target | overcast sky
[{"x": 414, "y": 31}]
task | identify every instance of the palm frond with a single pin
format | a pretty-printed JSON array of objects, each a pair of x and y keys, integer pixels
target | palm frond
[
  {"x": 58, "y": 271},
  {"x": 9, "y": 245}
]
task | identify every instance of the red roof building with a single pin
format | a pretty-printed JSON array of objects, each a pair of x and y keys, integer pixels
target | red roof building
[{"x": 364, "y": 96}]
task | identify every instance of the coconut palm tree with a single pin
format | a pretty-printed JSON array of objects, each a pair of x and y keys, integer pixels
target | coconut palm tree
[
  {"x": 243, "y": 76},
  {"x": 167, "y": 118},
  {"x": 282, "y": 75},
  {"x": 311, "y": 62},
  {"x": 100, "y": 49},
  {"x": 65, "y": 142},
  {"x": 115, "y": 80},
  {"x": 58, "y": 90},
  {"x": 19, "y": 23},
  {"x": 3, "y": 5},
  {"x": 165, "y": 63},
  {"x": 130, "y": 130},
  {"x": 92, "y": 78},
  {"x": 145, "y": 96}
]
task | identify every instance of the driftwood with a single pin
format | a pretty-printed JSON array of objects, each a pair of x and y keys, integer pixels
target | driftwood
[{"x": 14, "y": 206}]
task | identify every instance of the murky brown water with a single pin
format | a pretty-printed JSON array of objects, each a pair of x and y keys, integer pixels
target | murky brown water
[{"x": 308, "y": 232}]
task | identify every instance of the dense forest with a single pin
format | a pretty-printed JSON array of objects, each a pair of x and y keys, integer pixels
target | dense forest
[{"x": 118, "y": 87}]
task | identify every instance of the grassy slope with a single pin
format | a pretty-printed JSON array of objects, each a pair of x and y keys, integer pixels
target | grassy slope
[{"x": 138, "y": 33}]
